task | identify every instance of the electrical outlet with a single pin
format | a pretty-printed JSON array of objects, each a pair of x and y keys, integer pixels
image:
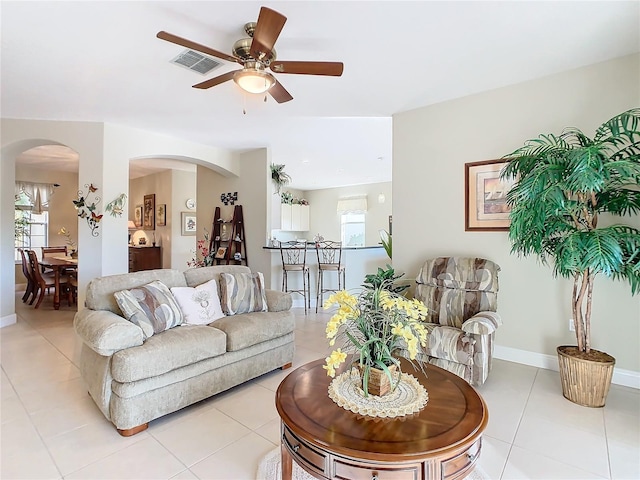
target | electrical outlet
[{"x": 572, "y": 327}]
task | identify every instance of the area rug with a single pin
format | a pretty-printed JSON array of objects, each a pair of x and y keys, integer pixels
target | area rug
[{"x": 269, "y": 469}]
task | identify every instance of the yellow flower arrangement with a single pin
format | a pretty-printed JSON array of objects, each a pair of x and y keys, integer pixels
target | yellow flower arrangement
[{"x": 376, "y": 324}]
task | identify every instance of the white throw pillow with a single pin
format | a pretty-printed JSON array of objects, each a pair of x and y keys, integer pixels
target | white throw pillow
[{"x": 199, "y": 305}]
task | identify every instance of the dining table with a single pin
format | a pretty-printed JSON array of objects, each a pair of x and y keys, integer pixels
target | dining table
[{"x": 58, "y": 263}]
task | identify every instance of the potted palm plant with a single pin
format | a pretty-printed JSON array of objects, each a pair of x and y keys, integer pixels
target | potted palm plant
[{"x": 569, "y": 193}]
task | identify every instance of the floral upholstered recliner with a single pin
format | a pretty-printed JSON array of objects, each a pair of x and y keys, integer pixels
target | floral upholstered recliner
[{"x": 462, "y": 297}]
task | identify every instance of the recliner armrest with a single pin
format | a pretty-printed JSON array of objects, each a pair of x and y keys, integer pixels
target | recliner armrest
[
  {"x": 482, "y": 323},
  {"x": 278, "y": 301},
  {"x": 105, "y": 332}
]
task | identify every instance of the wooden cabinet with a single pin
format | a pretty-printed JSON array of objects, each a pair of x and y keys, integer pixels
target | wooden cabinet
[
  {"x": 294, "y": 218},
  {"x": 144, "y": 258}
]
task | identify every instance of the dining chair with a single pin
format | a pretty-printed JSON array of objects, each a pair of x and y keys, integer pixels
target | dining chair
[
  {"x": 51, "y": 251},
  {"x": 329, "y": 260},
  {"x": 31, "y": 285},
  {"x": 43, "y": 281},
  {"x": 294, "y": 259}
]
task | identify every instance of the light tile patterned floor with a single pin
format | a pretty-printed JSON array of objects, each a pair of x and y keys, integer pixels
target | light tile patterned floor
[{"x": 51, "y": 429}]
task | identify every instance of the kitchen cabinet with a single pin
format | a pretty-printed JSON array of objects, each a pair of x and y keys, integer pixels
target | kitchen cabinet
[{"x": 294, "y": 218}]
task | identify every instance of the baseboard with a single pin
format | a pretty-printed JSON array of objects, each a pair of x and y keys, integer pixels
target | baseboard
[
  {"x": 628, "y": 378},
  {"x": 8, "y": 320}
]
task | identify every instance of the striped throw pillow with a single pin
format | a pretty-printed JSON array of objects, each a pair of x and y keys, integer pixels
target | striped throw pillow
[
  {"x": 151, "y": 307},
  {"x": 242, "y": 293}
]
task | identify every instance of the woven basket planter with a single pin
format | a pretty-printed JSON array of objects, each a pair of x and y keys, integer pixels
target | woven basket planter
[
  {"x": 379, "y": 383},
  {"x": 585, "y": 382}
]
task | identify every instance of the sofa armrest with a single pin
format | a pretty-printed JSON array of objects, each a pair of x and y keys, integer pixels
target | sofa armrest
[
  {"x": 105, "y": 332},
  {"x": 482, "y": 323},
  {"x": 278, "y": 301}
]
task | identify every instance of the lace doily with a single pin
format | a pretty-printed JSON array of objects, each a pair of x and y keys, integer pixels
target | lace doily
[{"x": 408, "y": 397}]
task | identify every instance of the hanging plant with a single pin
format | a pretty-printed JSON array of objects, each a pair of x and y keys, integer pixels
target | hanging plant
[{"x": 279, "y": 177}]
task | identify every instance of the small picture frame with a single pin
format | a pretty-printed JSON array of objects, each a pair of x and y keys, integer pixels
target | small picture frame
[
  {"x": 486, "y": 207},
  {"x": 161, "y": 215},
  {"x": 221, "y": 252},
  {"x": 137, "y": 219},
  {"x": 188, "y": 222},
  {"x": 149, "y": 212}
]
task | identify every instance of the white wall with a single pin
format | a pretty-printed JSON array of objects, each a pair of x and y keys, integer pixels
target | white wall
[
  {"x": 104, "y": 153},
  {"x": 431, "y": 146}
]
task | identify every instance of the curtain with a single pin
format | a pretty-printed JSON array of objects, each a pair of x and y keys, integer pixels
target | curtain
[
  {"x": 356, "y": 204},
  {"x": 38, "y": 194}
]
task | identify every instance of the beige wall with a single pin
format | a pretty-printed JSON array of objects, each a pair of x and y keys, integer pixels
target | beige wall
[
  {"x": 431, "y": 146},
  {"x": 253, "y": 189},
  {"x": 325, "y": 220},
  {"x": 171, "y": 188},
  {"x": 183, "y": 187}
]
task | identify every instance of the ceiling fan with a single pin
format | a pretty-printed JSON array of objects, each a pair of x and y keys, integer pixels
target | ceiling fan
[{"x": 257, "y": 55}]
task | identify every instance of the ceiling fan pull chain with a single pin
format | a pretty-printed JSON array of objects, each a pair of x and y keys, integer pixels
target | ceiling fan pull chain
[
  {"x": 244, "y": 103},
  {"x": 265, "y": 98}
]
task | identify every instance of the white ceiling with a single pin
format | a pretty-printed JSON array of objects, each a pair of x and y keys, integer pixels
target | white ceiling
[{"x": 101, "y": 61}]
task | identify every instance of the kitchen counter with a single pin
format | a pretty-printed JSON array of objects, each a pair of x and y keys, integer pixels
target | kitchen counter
[
  {"x": 358, "y": 262},
  {"x": 312, "y": 246}
]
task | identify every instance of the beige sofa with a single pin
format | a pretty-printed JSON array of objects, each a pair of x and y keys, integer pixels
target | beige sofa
[{"x": 134, "y": 381}]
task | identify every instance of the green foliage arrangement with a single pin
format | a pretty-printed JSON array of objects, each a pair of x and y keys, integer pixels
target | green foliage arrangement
[
  {"x": 384, "y": 279},
  {"x": 279, "y": 177},
  {"x": 385, "y": 239},
  {"x": 563, "y": 185}
]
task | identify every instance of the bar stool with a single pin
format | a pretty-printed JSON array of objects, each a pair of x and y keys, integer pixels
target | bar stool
[
  {"x": 294, "y": 259},
  {"x": 329, "y": 260}
]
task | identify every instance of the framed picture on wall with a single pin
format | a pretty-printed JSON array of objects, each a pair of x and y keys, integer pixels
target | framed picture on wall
[
  {"x": 161, "y": 215},
  {"x": 486, "y": 206},
  {"x": 149, "y": 212},
  {"x": 188, "y": 220},
  {"x": 138, "y": 216}
]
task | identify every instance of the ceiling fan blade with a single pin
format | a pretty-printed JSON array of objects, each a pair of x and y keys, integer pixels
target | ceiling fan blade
[
  {"x": 212, "y": 82},
  {"x": 169, "y": 37},
  {"x": 268, "y": 29},
  {"x": 279, "y": 93},
  {"x": 333, "y": 69}
]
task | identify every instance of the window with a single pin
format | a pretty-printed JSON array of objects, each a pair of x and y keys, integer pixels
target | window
[
  {"x": 352, "y": 229},
  {"x": 31, "y": 229}
]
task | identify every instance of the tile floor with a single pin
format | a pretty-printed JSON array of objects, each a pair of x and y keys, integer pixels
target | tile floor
[{"x": 51, "y": 429}]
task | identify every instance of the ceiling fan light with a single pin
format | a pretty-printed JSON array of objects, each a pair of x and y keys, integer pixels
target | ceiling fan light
[{"x": 254, "y": 81}]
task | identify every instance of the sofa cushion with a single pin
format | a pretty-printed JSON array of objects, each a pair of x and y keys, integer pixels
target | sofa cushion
[
  {"x": 167, "y": 351},
  {"x": 200, "y": 305},
  {"x": 100, "y": 290},
  {"x": 252, "y": 328},
  {"x": 151, "y": 307},
  {"x": 242, "y": 293},
  {"x": 197, "y": 276}
]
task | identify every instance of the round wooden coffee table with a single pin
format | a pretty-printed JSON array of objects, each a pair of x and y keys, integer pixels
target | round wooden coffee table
[{"x": 442, "y": 441}]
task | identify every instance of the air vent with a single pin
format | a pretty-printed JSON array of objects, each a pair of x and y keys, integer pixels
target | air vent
[{"x": 196, "y": 61}]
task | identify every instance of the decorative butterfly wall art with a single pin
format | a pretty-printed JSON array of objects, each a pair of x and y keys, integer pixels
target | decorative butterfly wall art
[{"x": 86, "y": 205}]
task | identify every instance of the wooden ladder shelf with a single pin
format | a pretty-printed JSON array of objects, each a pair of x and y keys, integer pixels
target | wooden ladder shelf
[{"x": 228, "y": 240}]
